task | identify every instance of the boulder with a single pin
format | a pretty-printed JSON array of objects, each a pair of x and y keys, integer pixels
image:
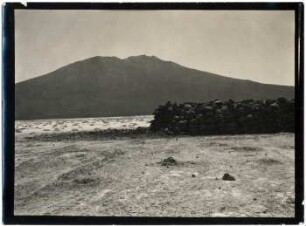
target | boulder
[
  {"x": 228, "y": 177},
  {"x": 249, "y": 116},
  {"x": 187, "y": 106},
  {"x": 208, "y": 108},
  {"x": 218, "y": 102},
  {"x": 274, "y": 105},
  {"x": 169, "y": 162}
]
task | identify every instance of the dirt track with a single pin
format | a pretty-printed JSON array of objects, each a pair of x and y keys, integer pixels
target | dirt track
[{"x": 124, "y": 177}]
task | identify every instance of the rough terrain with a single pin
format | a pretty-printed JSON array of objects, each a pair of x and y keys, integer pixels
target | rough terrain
[{"x": 112, "y": 176}]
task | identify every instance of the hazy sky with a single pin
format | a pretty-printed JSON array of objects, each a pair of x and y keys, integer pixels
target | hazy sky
[{"x": 255, "y": 45}]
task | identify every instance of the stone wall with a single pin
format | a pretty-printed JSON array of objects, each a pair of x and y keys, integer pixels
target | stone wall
[{"x": 228, "y": 117}]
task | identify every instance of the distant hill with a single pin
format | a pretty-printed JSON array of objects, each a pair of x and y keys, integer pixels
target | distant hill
[{"x": 109, "y": 86}]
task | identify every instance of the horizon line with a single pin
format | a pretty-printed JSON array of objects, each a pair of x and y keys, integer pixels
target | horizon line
[{"x": 148, "y": 56}]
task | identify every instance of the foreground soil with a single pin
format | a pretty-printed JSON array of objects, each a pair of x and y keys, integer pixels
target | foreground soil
[{"x": 124, "y": 176}]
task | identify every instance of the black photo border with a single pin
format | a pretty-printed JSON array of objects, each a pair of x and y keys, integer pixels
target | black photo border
[{"x": 8, "y": 91}]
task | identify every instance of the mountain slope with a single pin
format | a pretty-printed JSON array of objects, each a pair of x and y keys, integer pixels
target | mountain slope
[{"x": 109, "y": 86}]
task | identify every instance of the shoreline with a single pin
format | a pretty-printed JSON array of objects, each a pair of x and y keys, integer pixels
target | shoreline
[{"x": 85, "y": 118}]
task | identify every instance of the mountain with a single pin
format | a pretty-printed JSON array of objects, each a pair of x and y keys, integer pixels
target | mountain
[{"x": 109, "y": 86}]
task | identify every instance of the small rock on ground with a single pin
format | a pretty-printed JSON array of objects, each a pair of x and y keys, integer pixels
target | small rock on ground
[{"x": 228, "y": 177}]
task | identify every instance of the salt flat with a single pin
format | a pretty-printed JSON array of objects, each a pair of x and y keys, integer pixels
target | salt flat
[{"x": 30, "y": 127}]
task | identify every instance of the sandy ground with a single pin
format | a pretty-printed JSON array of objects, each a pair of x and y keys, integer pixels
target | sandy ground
[{"x": 123, "y": 176}]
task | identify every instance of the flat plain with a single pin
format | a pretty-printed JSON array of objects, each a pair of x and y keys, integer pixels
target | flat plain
[{"x": 63, "y": 169}]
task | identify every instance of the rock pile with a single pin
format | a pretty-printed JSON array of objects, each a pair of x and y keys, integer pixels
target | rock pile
[{"x": 228, "y": 117}]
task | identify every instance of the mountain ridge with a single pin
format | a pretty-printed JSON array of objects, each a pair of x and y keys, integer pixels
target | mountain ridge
[
  {"x": 152, "y": 57},
  {"x": 109, "y": 86}
]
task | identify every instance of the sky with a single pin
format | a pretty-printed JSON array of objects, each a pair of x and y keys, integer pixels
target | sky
[{"x": 253, "y": 45}]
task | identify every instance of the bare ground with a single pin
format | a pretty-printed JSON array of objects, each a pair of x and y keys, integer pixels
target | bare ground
[{"x": 114, "y": 176}]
